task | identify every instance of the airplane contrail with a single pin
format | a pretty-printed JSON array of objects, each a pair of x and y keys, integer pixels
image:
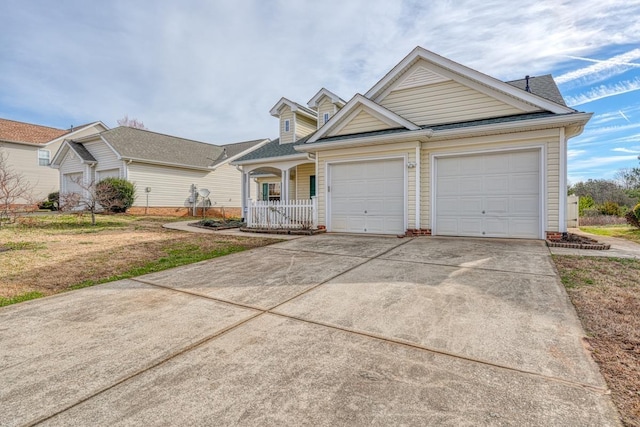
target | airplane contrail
[
  {"x": 624, "y": 116},
  {"x": 606, "y": 61}
]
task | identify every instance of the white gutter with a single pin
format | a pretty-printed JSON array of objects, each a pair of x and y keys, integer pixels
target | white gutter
[
  {"x": 157, "y": 162},
  {"x": 271, "y": 159},
  {"x": 365, "y": 140}
]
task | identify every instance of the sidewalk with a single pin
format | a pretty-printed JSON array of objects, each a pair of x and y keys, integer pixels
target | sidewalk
[{"x": 620, "y": 248}]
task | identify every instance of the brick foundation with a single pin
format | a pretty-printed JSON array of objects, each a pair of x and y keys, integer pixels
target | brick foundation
[
  {"x": 322, "y": 227},
  {"x": 554, "y": 235},
  {"x": 184, "y": 211},
  {"x": 415, "y": 232}
]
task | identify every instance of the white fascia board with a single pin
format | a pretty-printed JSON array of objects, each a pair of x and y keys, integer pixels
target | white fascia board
[
  {"x": 70, "y": 134},
  {"x": 356, "y": 101},
  {"x": 64, "y": 147},
  {"x": 335, "y": 99},
  {"x": 421, "y": 53},
  {"x": 420, "y": 134},
  {"x": 267, "y": 160},
  {"x": 295, "y": 107},
  {"x": 242, "y": 153},
  {"x": 578, "y": 119}
]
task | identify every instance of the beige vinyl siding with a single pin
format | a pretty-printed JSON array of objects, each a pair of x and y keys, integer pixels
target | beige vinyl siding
[
  {"x": 547, "y": 138},
  {"x": 286, "y": 114},
  {"x": 24, "y": 159},
  {"x": 303, "y": 174},
  {"x": 363, "y": 122},
  {"x": 325, "y": 106},
  {"x": 170, "y": 186},
  {"x": 226, "y": 188},
  {"x": 304, "y": 126},
  {"x": 362, "y": 154},
  {"x": 553, "y": 184},
  {"x": 89, "y": 131},
  {"x": 420, "y": 76},
  {"x": 446, "y": 102}
]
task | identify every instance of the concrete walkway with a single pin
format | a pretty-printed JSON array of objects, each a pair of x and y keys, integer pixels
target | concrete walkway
[
  {"x": 184, "y": 226},
  {"x": 321, "y": 331},
  {"x": 620, "y": 248}
]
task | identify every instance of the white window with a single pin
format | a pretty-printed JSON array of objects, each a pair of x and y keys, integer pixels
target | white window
[
  {"x": 325, "y": 118},
  {"x": 287, "y": 126},
  {"x": 44, "y": 157}
]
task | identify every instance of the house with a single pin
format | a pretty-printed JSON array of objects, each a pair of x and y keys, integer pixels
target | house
[
  {"x": 167, "y": 171},
  {"x": 29, "y": 148},
  {"x": 433, "y": 148}
]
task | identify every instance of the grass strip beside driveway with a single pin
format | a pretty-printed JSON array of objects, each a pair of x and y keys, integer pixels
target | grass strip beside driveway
[
  {"x": 46, "y": 255},
  {"x": 606, "y": 295},
  {"x": 621, "y": 231}
]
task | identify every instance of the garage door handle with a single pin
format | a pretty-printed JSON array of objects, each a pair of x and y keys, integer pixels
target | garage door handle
[
  {"x": 482, "y": 211},
  {"x": 365, "y": 211}
]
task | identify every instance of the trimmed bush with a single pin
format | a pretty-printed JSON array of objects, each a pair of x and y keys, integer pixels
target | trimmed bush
[
  {"x": 610, "y": 208},
  {"x": 52, "y": 202},
  {"x": 115, "y": 194}
]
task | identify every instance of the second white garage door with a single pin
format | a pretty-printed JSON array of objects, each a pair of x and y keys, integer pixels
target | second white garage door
[
  {"x": 367, "y": 197},
  {"x": 490, "y": 195}
]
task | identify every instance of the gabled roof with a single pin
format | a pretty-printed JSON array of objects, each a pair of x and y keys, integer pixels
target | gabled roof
[
  {"x": 467, "y": 76},
  {"x": 313, "y": 102},
  {"x": 83, "y": 154},
  {"x": 295, "y": 107},
  {"x": 14, "y": 131},
  {"x": 360, "y": 101}
]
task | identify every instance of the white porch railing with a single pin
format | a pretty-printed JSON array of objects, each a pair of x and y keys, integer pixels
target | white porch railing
[{"x": 282, "y": 214}]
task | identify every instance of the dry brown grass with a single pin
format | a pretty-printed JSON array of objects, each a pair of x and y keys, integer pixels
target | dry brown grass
[
  {"x": 606, "y": 294},
  {"x": 51, "y": 257}
]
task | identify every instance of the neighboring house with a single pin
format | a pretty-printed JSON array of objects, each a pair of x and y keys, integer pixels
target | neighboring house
[
  {"x": 166, "y": 170},
  {"x": 30, "y": 147},
  {"x": 433, "y": 148}
]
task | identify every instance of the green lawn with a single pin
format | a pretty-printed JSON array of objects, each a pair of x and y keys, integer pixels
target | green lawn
[{"x": 622, "y": 231}]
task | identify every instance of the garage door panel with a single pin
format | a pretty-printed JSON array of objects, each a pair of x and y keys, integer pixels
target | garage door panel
[
  {"x": 494, "y": 195},
  {"x": 369, "y": 197}
]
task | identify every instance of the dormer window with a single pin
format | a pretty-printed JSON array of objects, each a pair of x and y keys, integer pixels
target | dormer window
[
  {"x": 325, "y": 118},
  {"x": 287, "y": 126}
]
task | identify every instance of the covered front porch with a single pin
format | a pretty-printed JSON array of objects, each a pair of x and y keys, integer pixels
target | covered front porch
[{"x": 280, "y": 195}]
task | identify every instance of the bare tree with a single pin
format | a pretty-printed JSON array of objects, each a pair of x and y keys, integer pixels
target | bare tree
[
  {"x": 132, "y": 123},
  {"x": 14, "y": 188},
  {"x": 87, "y": 199}
]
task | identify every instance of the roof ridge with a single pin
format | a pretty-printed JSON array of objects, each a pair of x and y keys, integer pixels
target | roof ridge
[{"x": 158, "y": 133}]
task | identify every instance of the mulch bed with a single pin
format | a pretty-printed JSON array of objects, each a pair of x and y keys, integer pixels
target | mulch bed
[
  {"x": 217, "y": 225},
  {"x": 574, "y": 241}
]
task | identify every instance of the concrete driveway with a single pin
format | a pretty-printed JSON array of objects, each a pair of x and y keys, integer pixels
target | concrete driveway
[{"x": 323, "y": 331}]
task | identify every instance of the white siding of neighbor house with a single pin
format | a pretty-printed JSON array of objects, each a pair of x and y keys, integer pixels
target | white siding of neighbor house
[
  {"x": 24, "y": 159},
  {"x": 363, "y": 122},
  {"x": 107, "y": 159},
  {"x": 286, "y": 114},
  {"x": 445, "y": 102},
  {"x": 170, "y": 186},
  {"x": 362, "y": 154},
  {"x": 325, "y": 106},
  {"x": 549, "y": 139},
  {"x": 304, "y": 126},
  {"x": 226, "y": 187}
]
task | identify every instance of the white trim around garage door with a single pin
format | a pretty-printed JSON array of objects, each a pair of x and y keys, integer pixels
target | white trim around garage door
[
  {"x": 327, "y": 174},
  {"x": 542, "y": 170}
]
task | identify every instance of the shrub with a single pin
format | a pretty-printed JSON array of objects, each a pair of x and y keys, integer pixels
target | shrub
[
  {"x": 610, "y": 208},
  {"x": 115, "y": 194},
  {"x": 584, "y": 202},
  {"x": 52, "y": 202},
  {"x": 633, "y": 216}
]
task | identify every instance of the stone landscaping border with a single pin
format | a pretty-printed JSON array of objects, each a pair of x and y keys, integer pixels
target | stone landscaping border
[
  {"x": 578, "y": 242},
  {"x": 295, "y": 231}
]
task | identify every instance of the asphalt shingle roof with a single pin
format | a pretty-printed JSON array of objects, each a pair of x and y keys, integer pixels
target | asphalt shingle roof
[
  {"x": 274, "y": 149},
  {"x": 543, "y": 86},
  {"x": 230, "y": 150},
  {"x": 140, "y": 144},
  {"x": 82, "y": 152}
]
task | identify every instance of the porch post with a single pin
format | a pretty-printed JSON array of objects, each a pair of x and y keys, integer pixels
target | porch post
[
  {"x": 284, "y": 186},
  {"x": 243, "y": 195}
]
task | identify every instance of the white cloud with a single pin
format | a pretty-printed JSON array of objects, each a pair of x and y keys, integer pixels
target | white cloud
[
  {"x": 635, "y": 150},
  {"x": 596, "y": 162},
  {"x": 615, "y": 65},
  {"x": 574, "y": 153},
  {"x": 211, "y": 70},
  {"x": 604, "y": 91}
]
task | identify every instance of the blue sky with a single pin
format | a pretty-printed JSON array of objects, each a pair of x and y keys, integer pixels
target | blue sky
[{"x": 211, "y": 70}]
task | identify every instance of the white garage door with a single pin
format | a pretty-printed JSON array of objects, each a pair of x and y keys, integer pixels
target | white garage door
[
  {"x": 490, "y": 195},
  {"x": 109, "y": 173},
  {"x": 72, "y": 183},
  {"x": 367, "y": 197}
]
